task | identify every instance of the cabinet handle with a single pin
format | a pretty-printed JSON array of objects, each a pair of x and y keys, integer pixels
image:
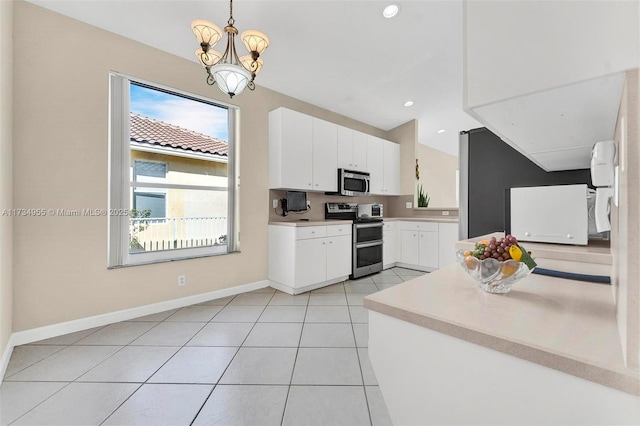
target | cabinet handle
[
  {"x": 323, "y": 243},
  {"x": 330, "y": 242}
]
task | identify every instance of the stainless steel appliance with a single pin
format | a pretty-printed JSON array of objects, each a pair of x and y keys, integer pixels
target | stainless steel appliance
[
  {"x": 353, "y": 183},
  {"x": 370, "y": 210},
  {"x": 367, "y": 247},
  {"x": 367, "y": 238}
]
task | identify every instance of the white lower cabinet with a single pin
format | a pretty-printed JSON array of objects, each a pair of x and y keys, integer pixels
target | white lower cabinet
[
  {"x": 309, "y": 257},
  {"x": 310, "y": 262},
  {"x": 419, "y": 243},
  {"x": 390, "y": 248},
  {"x": 338, "y": 256},
  {"x": 429, "y": 249},
  {"x": 410, "y": 247},
  {"x": 447, "y": 238}
]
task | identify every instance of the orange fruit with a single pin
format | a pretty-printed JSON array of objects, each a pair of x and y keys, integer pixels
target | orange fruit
[
  {"x": 509, "y": 268},
  {"x": 471, "y": 262}
]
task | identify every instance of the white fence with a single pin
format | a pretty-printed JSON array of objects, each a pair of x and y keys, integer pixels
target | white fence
[{"x": 169, "y": 233}]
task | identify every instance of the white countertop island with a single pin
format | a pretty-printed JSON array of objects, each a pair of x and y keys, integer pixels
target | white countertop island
[{"x": 548, "y": 352}]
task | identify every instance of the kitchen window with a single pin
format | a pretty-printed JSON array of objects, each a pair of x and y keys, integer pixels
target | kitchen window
[{"x": 173, "y": 169}]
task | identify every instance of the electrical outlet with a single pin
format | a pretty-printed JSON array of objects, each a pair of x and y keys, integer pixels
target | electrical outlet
[
  {"x": 182, "y": 280},
  {"x": 445, "y": 213},
  {"x": 275, "y": 203},
  {"x": 408, "y": 204},
  {"x": 308, "y": 205}
]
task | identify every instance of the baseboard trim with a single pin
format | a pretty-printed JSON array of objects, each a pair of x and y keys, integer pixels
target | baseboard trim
[
  {"x": 59, "y": 329},
  {"x": 294, "y": 291},
  {"x": 6, "y": 356}
]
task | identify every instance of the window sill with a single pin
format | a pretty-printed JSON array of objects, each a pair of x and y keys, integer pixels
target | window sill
[{"x": 175, "y": 259}]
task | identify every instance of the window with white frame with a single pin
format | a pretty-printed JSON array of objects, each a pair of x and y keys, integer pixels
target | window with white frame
[
  {"x": 173, "y": 174},
  {"x": 152, "y": 199}
]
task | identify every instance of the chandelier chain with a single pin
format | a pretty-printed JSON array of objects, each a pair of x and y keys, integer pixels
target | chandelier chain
[{"x": 231, "y": 21}]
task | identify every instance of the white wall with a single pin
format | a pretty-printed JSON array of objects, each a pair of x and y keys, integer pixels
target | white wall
[
  {"x": 519, "y": 47},
  {"x": 6, "y": 195}
]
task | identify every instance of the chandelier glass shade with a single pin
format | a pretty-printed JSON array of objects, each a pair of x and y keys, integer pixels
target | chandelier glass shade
[{"x": 231, "y": 73}]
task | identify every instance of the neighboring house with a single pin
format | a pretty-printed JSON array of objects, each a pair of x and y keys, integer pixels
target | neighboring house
[{"x": 163, "y": 153}]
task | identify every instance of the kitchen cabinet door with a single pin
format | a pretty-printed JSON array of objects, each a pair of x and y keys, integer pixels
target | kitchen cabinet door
[
  {"x": 447, "y": 238},
  {"x": 325, "y": 156},
  {"x": 390, "y": 247},
  {"x": 338, "y": 256},
  {"x": 290, "y": 150},
  {"x": 310, "y": 262},
  {"x": 429, "y": 249},
  {"x": 375, "y": 164},
  {"x": 410, "y": 241},
  {"x": 391, "y": 168},
  {"x": 345, "y": 148},
  {"x": 359, "y": 143}
]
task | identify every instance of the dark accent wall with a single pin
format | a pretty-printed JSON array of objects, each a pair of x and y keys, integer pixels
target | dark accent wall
[{"x": 494, "y": 167}]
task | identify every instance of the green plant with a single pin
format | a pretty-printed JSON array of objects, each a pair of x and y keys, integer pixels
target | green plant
[
  {"x": 138, "y": 226},
  {"x": 423, "y": 198}
]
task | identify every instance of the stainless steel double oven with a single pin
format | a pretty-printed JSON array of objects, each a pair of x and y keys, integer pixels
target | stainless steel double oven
[
  {"x": 367, "y": 247},
  {"x": 367, "y": 238}
]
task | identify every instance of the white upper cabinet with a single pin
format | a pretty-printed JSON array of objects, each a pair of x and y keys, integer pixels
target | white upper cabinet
[
  {"x": 375, "y": 164},
  {"x": 359, "y": 142},
  {"x": 383, "y": 162},
  {"x": 391, "y": 168},
  {"x": 290, "y": 150},
  {"x": 303, "y": 152},
  {"x": 352, "y": 149},
  {"x": 325, "y": 155}
]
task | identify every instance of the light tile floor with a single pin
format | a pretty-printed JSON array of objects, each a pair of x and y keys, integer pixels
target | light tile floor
[{"x": 259, "y": 358}]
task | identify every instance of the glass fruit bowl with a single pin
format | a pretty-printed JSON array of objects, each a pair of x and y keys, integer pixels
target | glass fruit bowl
[{"x": 493, "y": 276}]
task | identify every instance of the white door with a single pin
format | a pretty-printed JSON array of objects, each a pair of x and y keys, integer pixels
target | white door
[
  {"x": 375, "y": 164},
  {"x": 429, "y": 249},
  {"x": 389, "y": 249},
  {"x": 359, "y": 153},
  {"x": 311, "y": 262},
  {"x": 447, "y": 238},
  {"x": 296, "y": 150},
  {"x": 338, "y": 256},
  {"x": 410, "y": 247},
  {"x": 325, "y": 156},
  {"x": 345, "y": 148},
  {"x": 391, "y": 168}
]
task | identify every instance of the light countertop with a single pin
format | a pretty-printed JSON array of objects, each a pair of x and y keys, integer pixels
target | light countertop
[
  {"x": 566, "y": 325},
  {"x": 323, "y": 222},
  {"x": 311, "y": 222},
  {"x": 596, "y": 252}
]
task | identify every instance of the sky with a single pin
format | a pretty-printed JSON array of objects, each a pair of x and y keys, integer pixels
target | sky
[{"x": 188, "y": 113}]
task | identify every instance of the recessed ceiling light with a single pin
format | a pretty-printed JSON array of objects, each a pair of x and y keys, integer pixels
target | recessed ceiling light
[
  {"x": 408, "y": 103},
  {"x": 441, "y": 131},
  {"x": 390, "y": 11}
]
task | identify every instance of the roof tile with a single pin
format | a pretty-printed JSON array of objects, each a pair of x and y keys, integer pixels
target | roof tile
[{"x": 155, "y": 132}]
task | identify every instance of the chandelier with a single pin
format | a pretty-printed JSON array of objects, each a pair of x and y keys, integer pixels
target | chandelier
[{"x": 231, "y": 73}]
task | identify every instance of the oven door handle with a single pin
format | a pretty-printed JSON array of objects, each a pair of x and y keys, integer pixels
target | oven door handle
[
  {"x": 365, "y": 245},
  {"x": 369, "y": 225}
]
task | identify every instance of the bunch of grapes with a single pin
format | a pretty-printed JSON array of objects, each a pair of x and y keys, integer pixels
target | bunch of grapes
[{"x": 494, "y": 248}]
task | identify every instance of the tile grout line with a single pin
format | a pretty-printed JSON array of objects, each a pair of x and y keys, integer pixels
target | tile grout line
[
  {"x": 232, "y": 358},
  {"x": 364, "y": 389},
  {"x": 295, "y": 360},
  {"x": 164, "y": 363}
]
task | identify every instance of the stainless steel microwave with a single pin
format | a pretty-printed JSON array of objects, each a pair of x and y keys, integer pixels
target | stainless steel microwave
[{"x": 353, "y": 183}]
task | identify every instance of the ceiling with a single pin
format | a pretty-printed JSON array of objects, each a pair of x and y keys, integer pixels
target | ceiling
[{"x": 340, "y": 55}]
